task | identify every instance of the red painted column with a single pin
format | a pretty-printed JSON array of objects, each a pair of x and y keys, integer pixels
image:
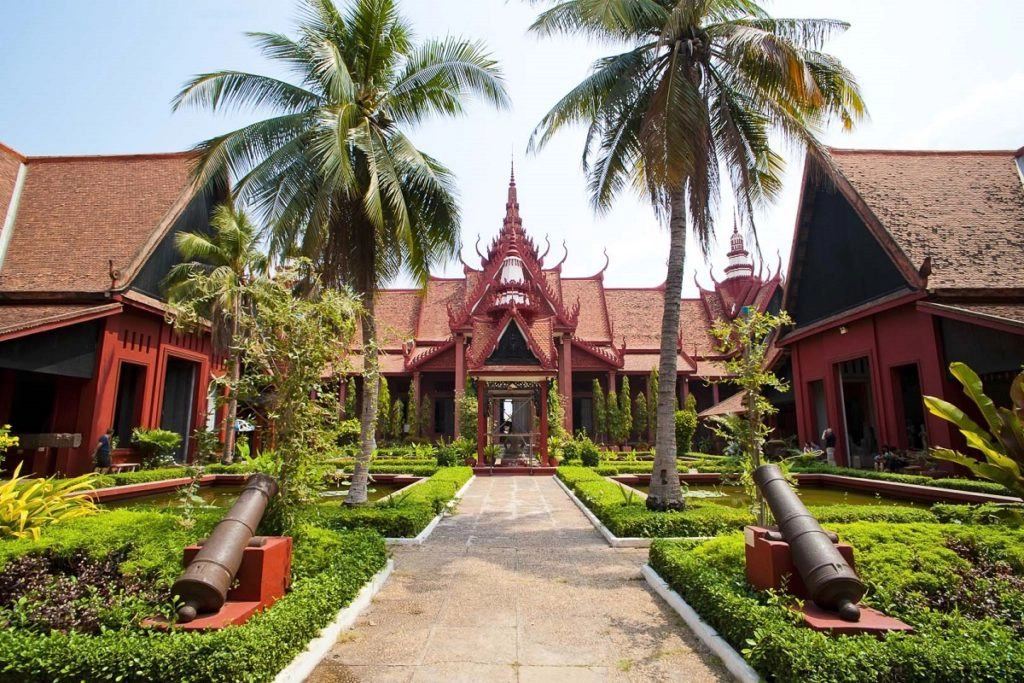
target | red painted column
[
  {"x": 565, "y": 380},
  {"x": 544, "y": 423},
  {"x": 714, "y": 394},
  {"x": 460, "y": 377},
  {"x": 481, "y": 420}
]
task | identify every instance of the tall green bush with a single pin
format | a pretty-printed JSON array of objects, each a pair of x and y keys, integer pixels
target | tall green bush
[
  {"x": 686, "y": 427},
  {"x": 640, "y": 419},
  {"x": 467, "y": 407},
  {"x": 556, "y": 413},
  {"x": 600, "y": 413},
  {"x": 156, "y": 447},
  {"x": 613, "y": 416},
  {"x": 652, "y": 401},
  {"x": 397, "y": 423},
  {"x": 625, "y": 412},
  {"x": 426, "y": 415},
  {"x": 384, "y": 409},
  {"x": 350, "y": 399}
]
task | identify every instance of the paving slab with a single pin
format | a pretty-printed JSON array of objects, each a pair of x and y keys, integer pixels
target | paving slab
[{"x": 518, "y": 586}]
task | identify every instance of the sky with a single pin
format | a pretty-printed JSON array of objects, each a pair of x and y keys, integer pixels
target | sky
[{"x": 97, "y": 77}]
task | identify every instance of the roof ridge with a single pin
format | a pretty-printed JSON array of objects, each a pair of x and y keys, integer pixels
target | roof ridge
[
  {"x": 7, "y": 148},
  {"x": 108, "y": 157},
  {"x": 924, "y": 152}
]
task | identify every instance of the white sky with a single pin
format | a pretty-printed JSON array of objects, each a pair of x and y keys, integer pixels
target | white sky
[{"x": 96, "y": 77}]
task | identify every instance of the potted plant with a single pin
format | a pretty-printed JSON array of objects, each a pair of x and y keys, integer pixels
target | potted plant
[{"x": 491, "y": 454}]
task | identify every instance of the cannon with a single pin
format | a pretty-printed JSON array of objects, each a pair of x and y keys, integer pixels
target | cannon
[
  {"x": 203, "y": 586},
  {"x": 831, "y": 582}
]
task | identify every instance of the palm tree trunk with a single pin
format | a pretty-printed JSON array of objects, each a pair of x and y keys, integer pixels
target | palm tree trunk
[
  {"x": 232, "y": 411},
  {"x": 664, "y": 491},
  {"x": 368, "y": 417}
]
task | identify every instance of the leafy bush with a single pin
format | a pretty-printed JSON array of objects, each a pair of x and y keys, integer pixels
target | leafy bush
[
  {"x": 686, "y": 427},
  {"x": 347, "y": 432},
  {"x": 329, "y": 569},
  {"x": 156, "y": 447},
  {"x": 589, "y": 455},
  {"x": 944, "y": 483},
  {"x": 960, "y": 588},
  {"x": 28, "y": 505}
]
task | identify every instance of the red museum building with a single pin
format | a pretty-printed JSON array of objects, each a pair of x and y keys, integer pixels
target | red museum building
[
  {"x": 514, "y": 323},
  {"x": 84, "y": 245},
  {"x": 902, "y": 263}
]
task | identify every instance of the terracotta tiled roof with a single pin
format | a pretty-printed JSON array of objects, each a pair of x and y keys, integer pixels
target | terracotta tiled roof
[
  {"x": 396, "y": 312},
  {"x": 433, "y": 319},
  {"x": 18, "y": 318},
  {"x": 636, "y": 316},
  {"x": 965, "y": 210},
  {"x": 644, "y": 362},
  {"x": 78, "y": 213},
  {"x": 695, "y": 325},
  {"x": 734, "y": 405},
  {"x": 1006, "y": 313},
  {"x": 593, "y": 322},
  {"x": 10, "y": 162}
]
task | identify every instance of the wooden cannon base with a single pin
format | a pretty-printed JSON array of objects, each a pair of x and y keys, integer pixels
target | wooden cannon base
[
  {"x": 262, "y": 579},
  {"x": 770, "y": 566}
]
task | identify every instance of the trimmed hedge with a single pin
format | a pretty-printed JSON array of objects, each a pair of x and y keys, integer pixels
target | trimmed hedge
[
  {"x": 626, "y": 515},
  {"x": 329, "y": 569},
  {"x": 912, "y": 572},
  {"x": 407, "y": 513},
  {"x": 973, "y": 485},
  {"x": 162, "y": 474}
]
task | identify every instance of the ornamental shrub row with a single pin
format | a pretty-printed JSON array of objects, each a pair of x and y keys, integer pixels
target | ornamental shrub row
[
  {"x": 329, "y": 569},
  {"x": 955, "y": 483},
  {"x": 405, "y": 513},
  {"x": 959, "y": 587},
  {"x": 162, "y": 474}
]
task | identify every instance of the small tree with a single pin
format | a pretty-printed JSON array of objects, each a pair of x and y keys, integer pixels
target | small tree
[
  {"x": 384, "y": 409},
  {"x": 426, "y": 415},
  {"x": 686, "y": 426},
  {"x": 600, "y": 412},
  {"x": 413, "y": 418},
  {"x": 625, "y": 412},
  {"x": 746, "y": 340},
  {"x": 556, "y": 413},
  {"x": 652, "y": 401},
  {"x": 350, "y": 399},
  {"x": 612, "y": 415},
  {"x": 640, "y": 417},
  {"x": 397, "y": 422},
  {"x": 467, "y": 407}
]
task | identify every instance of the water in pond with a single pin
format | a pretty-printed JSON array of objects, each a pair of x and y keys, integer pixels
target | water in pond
[
  {"x": 733, "y": 496},
  {"x": 225, "y": 496}
]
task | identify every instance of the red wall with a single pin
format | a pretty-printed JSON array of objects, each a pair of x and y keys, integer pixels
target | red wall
[{"x": 899, "y": 336}]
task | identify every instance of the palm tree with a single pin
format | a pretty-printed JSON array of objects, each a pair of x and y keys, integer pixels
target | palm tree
[
  {"x": 333, "y": 171},
  {"x": 217, "y": 268},
  {"x": 693, "y": 99}
]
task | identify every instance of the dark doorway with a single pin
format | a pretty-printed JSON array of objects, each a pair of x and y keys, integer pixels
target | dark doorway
[
  {"x": 32, "y": 408},
  {"x": 128, "y": 404},
  {"x": 908, "y": 384},
  {"x": 820, "y": 414},
  {"x": 583, "y": 415},
  {"x": 860, "y": 428},
  {"x": 444, "y": 416},
  {"x": 179, "y": 401}
]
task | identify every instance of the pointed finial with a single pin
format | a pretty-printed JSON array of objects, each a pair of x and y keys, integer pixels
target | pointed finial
[{"x": 513, "y": 177}]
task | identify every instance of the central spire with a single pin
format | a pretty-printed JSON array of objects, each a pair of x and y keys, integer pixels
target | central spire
[{"x": 512, "y": 218}]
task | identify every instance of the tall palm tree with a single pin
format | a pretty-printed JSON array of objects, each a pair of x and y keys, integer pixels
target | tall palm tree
[
  {"x": 690, "y": 104},
  {"x": 217, "y": 267},
  {"x": 333, "y": 170}
]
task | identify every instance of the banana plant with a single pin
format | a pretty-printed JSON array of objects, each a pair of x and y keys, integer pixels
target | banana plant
[{"x": 1001, "y": 444}]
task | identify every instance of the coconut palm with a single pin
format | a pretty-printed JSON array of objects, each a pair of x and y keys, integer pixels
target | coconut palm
[
  {"x": 687, "y": 106},
  {"x": 333, "y": 170},
  {"x": 217, "y": 267}
]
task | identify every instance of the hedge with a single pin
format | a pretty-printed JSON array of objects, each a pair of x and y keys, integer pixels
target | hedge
[
  {"x": 626, "y": 515},
  {"x": 955, "y": 483},
  {"x": 329, "y": 569},
  {"x": 162, "y": 474},
  {"x": 913, "y": 575},
  {"x": 405, "y": 513}
]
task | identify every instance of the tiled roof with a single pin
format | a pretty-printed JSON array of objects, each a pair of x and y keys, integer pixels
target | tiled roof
[
  {"x": 965, "y": 210},
  {"x": 10, "y": 162},
  {"x": 433, "y": 321},
  {"x": 593, "y": 322},
  {"x": 734, "y": 405},
  {"x": 1008, "y": 313},
  {"x": 695, "y": 326},
  {"x": 396, "y": 312},
  {"x": 636, "y": 315},
  {"x": 18, "y": 318}
]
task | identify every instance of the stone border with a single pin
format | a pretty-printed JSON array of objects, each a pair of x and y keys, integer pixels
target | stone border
[
  {"x": 305, "y": 662},
  {"x": 732, "y": 660},
  {"x": 619, "y": 541},
  {"x": 429, "y": 529}
]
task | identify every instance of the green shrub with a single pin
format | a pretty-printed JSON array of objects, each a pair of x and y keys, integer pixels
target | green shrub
[
  {"x": 916, "y": 572},
  {"x": 329, "y": 570},
  {"x": 588, "y": 452},
  {"x": 686, "y": 427},
  {"x": 156, "y": 447},
  {"x": 944, "y": 483}
]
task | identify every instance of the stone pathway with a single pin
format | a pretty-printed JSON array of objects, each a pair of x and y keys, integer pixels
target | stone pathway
[{"x": 518, "y": 586}]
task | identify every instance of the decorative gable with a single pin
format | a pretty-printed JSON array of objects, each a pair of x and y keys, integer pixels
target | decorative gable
[{"x": 512, "y": 348}]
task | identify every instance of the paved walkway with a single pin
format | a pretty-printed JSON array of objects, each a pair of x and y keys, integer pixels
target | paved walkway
[{"x": 518, "y": 586}]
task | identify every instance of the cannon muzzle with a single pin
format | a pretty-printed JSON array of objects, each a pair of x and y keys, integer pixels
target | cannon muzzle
[
  {"x": 830, "y": 581},
  {"x": 203, "y": 587}
]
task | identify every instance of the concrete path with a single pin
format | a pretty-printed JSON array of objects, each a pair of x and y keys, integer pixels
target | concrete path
[{"x": 518, "y": 586}]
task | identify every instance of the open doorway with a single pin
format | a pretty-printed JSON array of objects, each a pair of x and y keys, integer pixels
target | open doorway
[
  {"x": 860, "y": 427},
  {"x": 911, "y": 405},
  {"x": 128, "y": 403},
  {"x": 179, "y": 401}
]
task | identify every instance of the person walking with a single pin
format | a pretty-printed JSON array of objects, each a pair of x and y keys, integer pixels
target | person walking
[
  {"x": 828, "y": 438},
  {"x": 101, "y": 456}
]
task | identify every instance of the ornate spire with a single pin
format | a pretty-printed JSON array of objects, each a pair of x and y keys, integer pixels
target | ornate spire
[
  {"x": 740, "y": 264},
  {"x": 512, "y": 218}
]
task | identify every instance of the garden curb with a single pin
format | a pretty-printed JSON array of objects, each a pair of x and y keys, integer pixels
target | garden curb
[
  {"x": 305, "y": 662},
  {"x": 429, "y": 529},
  {"x": 619, "y": 541},
  {"x": 732, "y": 659}
]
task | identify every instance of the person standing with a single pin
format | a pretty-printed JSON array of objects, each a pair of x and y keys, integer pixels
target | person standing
[
  {"x": 828, "y": 439},
  {"x": 101, "y": 456}
]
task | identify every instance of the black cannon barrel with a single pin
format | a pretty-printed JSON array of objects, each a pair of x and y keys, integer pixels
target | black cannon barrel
[
  {"x": 203, "y": 587},
  {"x": 830, "y": 581}
]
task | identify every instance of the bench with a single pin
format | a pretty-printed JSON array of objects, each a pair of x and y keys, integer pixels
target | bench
[{"x": 124, "y": 467}]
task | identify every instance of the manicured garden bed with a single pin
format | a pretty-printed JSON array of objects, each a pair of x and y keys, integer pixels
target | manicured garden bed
[
  {"x": 404, "y": 514},
  {"x": 626, "y": 515},
  {"x": 328, "y": 569},
  {"x": 960, "y": 587}
]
